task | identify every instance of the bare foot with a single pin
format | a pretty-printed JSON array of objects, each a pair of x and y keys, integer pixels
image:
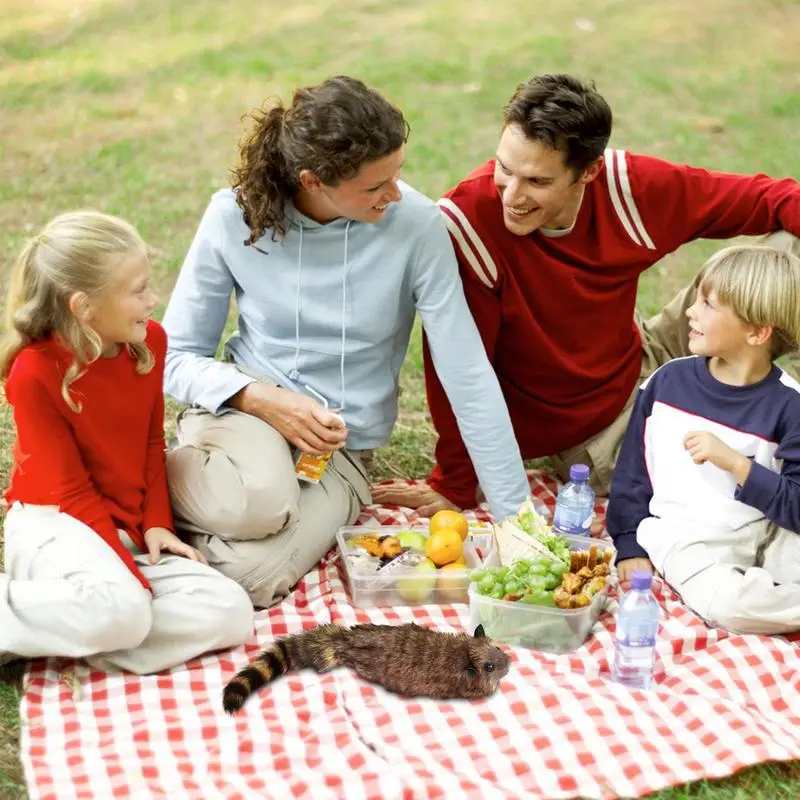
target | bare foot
[{"x": 419, "y": 496}]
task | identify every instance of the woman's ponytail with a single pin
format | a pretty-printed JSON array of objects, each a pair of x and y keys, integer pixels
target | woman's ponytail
[{"x": 261, "y": 183}]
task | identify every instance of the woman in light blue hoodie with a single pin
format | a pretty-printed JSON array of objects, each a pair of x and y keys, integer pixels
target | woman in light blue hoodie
[{"x": 328, "y": 256}]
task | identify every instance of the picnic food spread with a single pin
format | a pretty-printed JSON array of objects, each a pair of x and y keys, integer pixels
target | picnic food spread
[{"x": 533, "y": 587}]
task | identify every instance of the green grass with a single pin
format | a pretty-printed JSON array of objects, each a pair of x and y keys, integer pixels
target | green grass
[{"x": 135, "y": 107}]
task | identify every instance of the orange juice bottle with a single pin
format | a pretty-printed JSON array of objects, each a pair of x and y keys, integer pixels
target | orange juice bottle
[{"x": 310, "y": 467}]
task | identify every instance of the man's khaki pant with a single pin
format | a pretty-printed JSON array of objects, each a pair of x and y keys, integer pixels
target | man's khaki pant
[
  {"x": 235, "y": 493},
  {"x": 664, "y": 337}
]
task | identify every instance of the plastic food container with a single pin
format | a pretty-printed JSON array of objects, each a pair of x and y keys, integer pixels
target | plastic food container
[
  {"x": 554, "y": 630},
  {"x": 481, "y": 534},
  {"x": 406, "y": 588}
]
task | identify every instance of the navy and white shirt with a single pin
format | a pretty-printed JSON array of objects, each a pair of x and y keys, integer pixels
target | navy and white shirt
[{"x": 656, "y": 477}]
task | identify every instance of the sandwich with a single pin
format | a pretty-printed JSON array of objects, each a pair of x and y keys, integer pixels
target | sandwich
[{"x": 528, "y": 536}]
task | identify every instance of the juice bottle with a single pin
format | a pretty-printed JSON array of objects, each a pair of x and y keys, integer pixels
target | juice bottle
[{"x": 310, "y": 467}]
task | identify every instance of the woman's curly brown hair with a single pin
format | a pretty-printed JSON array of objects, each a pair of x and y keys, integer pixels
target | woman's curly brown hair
[{"x": 332, "y": 129}]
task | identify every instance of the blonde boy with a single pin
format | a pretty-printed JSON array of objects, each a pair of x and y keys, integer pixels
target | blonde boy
[{"x": 707, "y": 487}]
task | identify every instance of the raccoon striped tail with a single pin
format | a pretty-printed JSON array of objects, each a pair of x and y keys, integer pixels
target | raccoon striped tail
[{"x": 313, "y": 648}]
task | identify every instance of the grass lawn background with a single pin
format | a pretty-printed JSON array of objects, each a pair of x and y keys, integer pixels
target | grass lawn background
[{"x": 134, "y": 107}]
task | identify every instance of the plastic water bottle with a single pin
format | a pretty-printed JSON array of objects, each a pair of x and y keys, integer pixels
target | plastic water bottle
[
  {"x": 637, "y": 627},
  {"x": 575, "y": 503}
]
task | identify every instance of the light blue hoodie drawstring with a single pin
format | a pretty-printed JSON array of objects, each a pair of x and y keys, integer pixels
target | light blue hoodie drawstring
[
  {"x": 344, "y": 314},
  {"x": 295, "y": 373}
]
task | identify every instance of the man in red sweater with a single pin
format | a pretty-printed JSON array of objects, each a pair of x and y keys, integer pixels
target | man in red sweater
[{"x": 551, "y": 237}]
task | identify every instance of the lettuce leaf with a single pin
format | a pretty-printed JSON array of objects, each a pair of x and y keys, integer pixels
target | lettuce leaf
[{"x": 530, "y": 521}]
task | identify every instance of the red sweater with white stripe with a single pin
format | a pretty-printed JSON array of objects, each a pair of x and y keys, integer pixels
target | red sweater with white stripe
[
  {"x": 556, "y": 313},
  {"x": 105, "y": 466}
]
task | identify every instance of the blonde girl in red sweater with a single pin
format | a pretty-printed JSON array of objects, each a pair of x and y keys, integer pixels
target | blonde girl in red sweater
[{"x": 93, "y": 568}]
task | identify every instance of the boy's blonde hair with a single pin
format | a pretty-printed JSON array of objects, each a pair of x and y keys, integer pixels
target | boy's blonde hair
[
  {"x": 77, "y": 252},
  {"x": 761, "y": 285}
]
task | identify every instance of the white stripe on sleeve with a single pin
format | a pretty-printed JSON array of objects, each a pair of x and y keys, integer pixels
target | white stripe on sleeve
[
  {"x": 627, "y": 196},
  {"x": 473, "y": 248},
  {"x": 616, "y": 200}
]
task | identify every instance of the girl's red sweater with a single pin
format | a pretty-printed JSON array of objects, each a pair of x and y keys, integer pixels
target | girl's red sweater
[{"x": 105, "y": 465}]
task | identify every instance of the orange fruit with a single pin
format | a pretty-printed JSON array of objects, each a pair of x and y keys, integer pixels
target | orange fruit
[
  {"x": 444, "y": 546},
  {"x": 447, "y": 518},
  {"x": 453, "y": 587}
]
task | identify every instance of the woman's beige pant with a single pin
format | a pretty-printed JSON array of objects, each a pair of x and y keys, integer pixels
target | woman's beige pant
[
  {"x": 65, "y": 592},
  {"x": 235, "y": 493}
]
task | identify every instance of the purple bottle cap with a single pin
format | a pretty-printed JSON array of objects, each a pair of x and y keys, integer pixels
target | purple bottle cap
[
  {"x": 579, "y": 472},
  {"x": 641, "y": 579}
]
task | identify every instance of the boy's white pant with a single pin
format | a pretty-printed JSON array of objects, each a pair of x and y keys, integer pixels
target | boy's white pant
[
  {"x": 66, "y": 593},
  {"x": 743, "y": 580}
]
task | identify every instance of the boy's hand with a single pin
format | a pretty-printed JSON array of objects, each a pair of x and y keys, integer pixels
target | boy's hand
[
  {"x": 626, "y": 567},
  {"x": 158, "y": 539},
  {"x": 704, "y": 446}
]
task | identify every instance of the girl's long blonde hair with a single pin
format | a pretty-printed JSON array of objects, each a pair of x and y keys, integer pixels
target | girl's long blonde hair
[
  {"x": 761, "y": 284},
  {"x": 77, "y": 252}
]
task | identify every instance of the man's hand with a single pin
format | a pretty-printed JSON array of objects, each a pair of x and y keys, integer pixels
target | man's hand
[
  {"x": 423, "y": 498},
  {"x": 626, "y": 567},
  {"x": 704, "y": 446},
  {"x": 303, "y": 422},
  {"x": 160, "y": 539}
]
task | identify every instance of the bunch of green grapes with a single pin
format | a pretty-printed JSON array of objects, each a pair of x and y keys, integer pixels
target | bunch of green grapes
[{"x": 541, "y": 576}]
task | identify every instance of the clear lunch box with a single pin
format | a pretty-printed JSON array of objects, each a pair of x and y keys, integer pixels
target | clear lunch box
[
  {"x": 404, "y": 586},
  {"x": 555, "y": 630}
]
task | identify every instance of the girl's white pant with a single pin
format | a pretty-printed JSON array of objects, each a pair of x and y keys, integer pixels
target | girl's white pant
[{"x": 66, "y": 593}]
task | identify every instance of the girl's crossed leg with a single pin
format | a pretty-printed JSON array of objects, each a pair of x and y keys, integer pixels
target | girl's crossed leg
[{"x": 66, "y": 593}]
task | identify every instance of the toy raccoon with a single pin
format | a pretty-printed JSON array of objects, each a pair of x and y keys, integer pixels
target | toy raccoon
[{"x": 406, "y": 659}]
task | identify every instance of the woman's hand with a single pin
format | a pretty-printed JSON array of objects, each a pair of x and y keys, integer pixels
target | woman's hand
[
  {"x": 160, "y": 539},
  {"x": 303, "y": 422}
]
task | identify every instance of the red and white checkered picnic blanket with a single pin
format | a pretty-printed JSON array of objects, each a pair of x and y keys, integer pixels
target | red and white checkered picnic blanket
[{"x": 558, "y": 727}]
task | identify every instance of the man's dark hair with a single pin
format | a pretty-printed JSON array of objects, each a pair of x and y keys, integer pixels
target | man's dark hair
[{"x": 565, "y": 114}]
